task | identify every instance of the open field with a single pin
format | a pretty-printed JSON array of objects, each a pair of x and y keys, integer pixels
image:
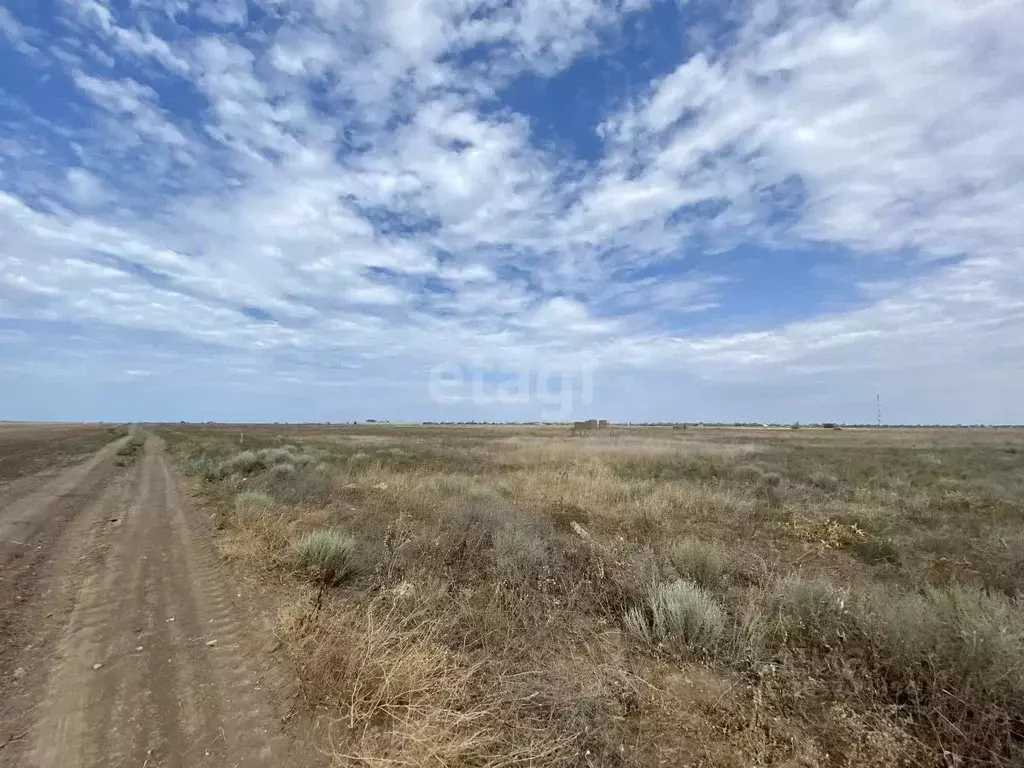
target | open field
[
  {"x": 498, "y": 596},
  {"x": 29, "y": 448}
]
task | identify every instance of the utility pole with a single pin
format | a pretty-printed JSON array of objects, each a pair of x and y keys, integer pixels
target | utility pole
[{"x": 878, "y": 406}]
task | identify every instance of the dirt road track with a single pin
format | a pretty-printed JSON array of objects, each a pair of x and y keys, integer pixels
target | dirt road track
[{"x": 122, "y": 646}]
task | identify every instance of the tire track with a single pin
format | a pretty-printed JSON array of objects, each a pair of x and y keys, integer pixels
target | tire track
[
  {"x": 154, "y": 666},
  {"x": 49, "y": 525},
  {"x": 22, "y": 519}
]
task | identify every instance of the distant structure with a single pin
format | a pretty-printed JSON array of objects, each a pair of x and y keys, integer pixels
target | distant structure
[
  {"x": 878, "y": 408},
  {"x": 581, "y": 427}
]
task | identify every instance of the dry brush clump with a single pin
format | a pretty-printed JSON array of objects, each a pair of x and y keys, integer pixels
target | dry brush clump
[
  {"x": 244, "y": 462},
  {"x": 957, "y": 653},
  {"x": 947, "y": 661},
  {"x": 403, "y": 695},
  {"x": 254, "y": 503},
  {"x": 399, "y": 695},
  {"x": 259, "y": 532}
]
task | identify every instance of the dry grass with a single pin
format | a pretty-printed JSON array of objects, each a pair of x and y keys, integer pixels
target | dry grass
[
  {"x": 615, "y": 447},
  {"x": 402, "y": 696},
  {"x": 641, "y": 597}
]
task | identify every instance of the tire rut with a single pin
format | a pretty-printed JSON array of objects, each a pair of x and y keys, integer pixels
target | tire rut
[
  {"x": 24, "y": 517},
  {"x": 153, "y": 666},
  {"x": 47, "y": 523}
]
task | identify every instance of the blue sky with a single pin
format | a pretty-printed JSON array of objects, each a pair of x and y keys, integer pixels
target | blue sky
[{"x": 634, "y": 209}]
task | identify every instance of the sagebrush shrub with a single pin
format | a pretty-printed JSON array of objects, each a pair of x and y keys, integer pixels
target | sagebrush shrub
[
  {"x": 679, "y": 614},
  {"x": 703, "y": 562},
  {"x": 327, "y": 555},
  {"x": 244, "y": 463},
  {"x": 271, "y": 456},
  {"x": 282, "y": 471}
]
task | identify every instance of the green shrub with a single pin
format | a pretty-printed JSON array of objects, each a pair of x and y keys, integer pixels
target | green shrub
[
  {"x": 282, "y": 471},
  {"x": 272, "y": 456},
  {"x": 679, "y": 614},
  {"x": 327, "y": 555},
  {"x": 245, "y": 463},
  {"x": 703, "y": 562}
]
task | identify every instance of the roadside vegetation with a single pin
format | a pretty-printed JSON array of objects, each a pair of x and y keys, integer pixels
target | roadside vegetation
[{"x": 637, "y": 597}]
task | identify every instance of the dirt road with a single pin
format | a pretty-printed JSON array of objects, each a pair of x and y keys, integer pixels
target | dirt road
[{"x": 123, "y": 644}]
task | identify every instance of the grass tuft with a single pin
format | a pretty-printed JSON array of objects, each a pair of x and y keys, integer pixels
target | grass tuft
[
  {"x": 680, "y": 615},
  {"x": 253, "y": 502},
  {"x": 327, "y": 555},
  {"x": 703, "y": 562}
]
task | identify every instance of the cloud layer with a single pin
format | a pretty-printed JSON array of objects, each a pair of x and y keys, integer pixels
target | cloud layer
[{"x": 756, "y": 210}]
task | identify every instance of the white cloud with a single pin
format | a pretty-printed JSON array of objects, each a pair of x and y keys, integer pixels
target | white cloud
[
  {"x": 127, "y": 97},
  {"x": 138, "y": 42},
  {"x": 897, "y": 120},
  {"x": 352, "y": 173},
  {"x": 16, "y": 33},
  {"x": 224, "y": 11},
  {"x": 115, "y": 95},
  {"x": 85, "y": 189}
]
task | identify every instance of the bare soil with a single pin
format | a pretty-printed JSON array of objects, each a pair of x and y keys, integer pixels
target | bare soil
[
  {"x": 27, "y": 449},
  {"x": 123, "y": 643}
]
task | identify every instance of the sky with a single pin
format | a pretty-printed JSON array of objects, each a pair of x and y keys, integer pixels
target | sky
[{"x": 640, "y": 210}]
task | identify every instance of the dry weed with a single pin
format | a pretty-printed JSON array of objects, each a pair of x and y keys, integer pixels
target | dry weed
[{"x": 507, "y": 559}]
